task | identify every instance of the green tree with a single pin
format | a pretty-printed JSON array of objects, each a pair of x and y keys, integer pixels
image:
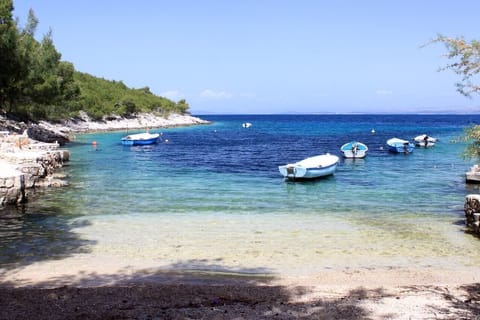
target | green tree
[
  {"x": 36, "y": 83},
  {"x": 49, "y": 89},
  {"x": 182, "y": 106},
  {"x": 465, "y": 57},
  {"x": 10, "y": 64},
  {"x": 32, "y": 24},
  {"x": 466, "y": 61}
]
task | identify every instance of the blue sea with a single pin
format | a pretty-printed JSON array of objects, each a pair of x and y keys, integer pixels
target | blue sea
[{"x": 210, "y": 197}]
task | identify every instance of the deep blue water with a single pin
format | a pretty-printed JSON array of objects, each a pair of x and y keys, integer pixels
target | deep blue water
[{"x": 224, "y": 170}]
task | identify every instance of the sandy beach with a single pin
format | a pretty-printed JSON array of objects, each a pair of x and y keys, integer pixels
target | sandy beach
[
  {"x": 88, "y": 293},
  {"x": 55, "y": 290}
]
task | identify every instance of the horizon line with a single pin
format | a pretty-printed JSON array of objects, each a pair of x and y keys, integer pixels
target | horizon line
[{"x": 340, "y": 113}]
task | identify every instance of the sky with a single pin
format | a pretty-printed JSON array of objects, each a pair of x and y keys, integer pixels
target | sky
[{"x": 268, "y": 56}]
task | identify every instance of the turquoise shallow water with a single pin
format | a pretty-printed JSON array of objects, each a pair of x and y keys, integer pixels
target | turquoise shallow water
[{"x": 212, "y": 198}]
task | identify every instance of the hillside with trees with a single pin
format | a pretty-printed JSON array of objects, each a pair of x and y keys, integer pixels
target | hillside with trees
[
  {"x": 35, "y": 84},
  {"x": 100, "y": 98}
]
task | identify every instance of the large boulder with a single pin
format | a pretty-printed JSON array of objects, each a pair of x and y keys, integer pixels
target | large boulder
[{"x": 42, "y": 134}]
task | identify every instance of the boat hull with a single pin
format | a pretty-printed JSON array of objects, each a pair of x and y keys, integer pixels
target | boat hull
[
  {"x": 424, "y": 141},
  {"x": 310, "y": 168},
  {"x": 140, "y": 139},
  {"x": 422, "y": 144},
  {"x": 354, "y": 150},
  {"x": 473, "y": 176},
  {"x": 396, "y": 145}
]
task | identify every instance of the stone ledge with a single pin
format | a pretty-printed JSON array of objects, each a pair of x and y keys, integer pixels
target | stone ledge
[{"x": 22, "y": 171}]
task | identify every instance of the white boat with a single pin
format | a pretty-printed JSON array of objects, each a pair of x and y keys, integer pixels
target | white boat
[
  {"x": 397, "y": 145},
  {"x": 354, "y": 150},
  {"x": 310, "y": 168},
  {"x": 473, "y": 176},
  {"x": 246, "y": 124},
  {"x": 139, "y": 139},
  {"x": 425, "y": 141}
]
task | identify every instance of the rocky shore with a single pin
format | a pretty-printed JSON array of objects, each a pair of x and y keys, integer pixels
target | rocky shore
[
  {"x": 84, "y": 123},
  {"x": 30, "y": 153},
  {"x": 26, "y": 164}
]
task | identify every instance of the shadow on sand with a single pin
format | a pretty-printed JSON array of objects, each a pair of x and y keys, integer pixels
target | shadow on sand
[
  {"x": 28, "y": 235},
  {"x": 191, "y": 289},
  {"x": 182, "y": 294},
  {"x": 177, "y": 292}
]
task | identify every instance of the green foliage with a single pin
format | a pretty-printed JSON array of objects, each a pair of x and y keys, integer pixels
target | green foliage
[
  {"x": 101, "y": 97},
  {"x": 471, "y": 137},
  {"x": 36, "y": 84},
  {"x": 466, "y": 61},
  {"x": 10, "y": 62}
]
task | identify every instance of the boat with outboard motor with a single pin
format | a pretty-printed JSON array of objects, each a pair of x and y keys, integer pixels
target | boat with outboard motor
[
  {"x": 140, "y": 139},
  {"x": 397, "y": 145},
  {"x": 310, "y": 168},
  {"x": 424, "y": 141},
  {"x": 354, "y": 150}
]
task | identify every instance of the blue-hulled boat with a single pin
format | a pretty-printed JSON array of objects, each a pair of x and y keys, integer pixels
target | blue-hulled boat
[
  {"x": 310, "y": 168},
  {"x": 140, "y": 139},
  {"x": 397, "y": 145},
  {"x": 354, "y": 150}
]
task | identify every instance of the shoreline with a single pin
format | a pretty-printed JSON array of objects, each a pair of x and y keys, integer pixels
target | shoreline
[
  {"x": 84, "y": 124},
  {"x": 30, "y": 159}
]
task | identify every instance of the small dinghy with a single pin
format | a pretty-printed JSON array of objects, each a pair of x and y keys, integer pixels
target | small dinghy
[
  {"x": 140, "y": 139},
  {"x": 354, "y": 150},
  {"x": 310, "y": 168},
  {"x": 424, "y": 141},
  {"x": 397, "y": 145}
]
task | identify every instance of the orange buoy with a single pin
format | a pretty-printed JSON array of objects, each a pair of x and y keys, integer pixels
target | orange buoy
[{"x": 94, "y": 143}]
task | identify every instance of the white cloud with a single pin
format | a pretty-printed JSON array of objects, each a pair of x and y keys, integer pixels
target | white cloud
[
  {"x": 172, "y": 95},
  {"x": 384, "y": 92},
  {"x": 212, "y": 94}
]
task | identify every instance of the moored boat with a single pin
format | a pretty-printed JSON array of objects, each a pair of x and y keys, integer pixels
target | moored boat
[
  {"x": 310, "y": 168},
  {"x": 140, "y": 139},
  {"x": 354, "y": 150},
  {"x": 473, "y": 176},
  {"x": 425, "y": 141},
  {"x": 397, "y": 145}
]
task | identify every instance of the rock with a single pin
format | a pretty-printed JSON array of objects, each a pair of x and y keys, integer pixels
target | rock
[
  {"x": 472, "y": 210},
  {"x": 12, "y": 126},
  {"x": 28, "y": 170},
  {"x": 12, "y": 190},
  {"x": 42, "y": 134}
]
